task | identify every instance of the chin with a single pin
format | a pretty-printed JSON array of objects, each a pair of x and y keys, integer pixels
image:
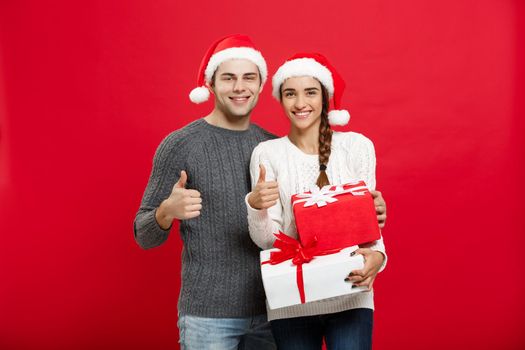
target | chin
[
  {"x": 240, "y": 114},
  {"x": 302, "y": 124}
]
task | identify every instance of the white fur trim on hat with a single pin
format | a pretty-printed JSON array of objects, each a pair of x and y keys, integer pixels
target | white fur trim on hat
[
  {"x": 199, "y": 94},
  {"x": 338, "y": 117},
  {"x": 302, "y": 67},
  {"x": 246, "y": 53}
]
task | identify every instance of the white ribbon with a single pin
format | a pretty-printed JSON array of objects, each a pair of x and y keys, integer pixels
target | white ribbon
[{"x": 323, "y": 196}]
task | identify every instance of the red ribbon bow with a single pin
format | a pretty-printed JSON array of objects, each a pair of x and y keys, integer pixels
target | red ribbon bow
[{"x": 291, "y": 248}]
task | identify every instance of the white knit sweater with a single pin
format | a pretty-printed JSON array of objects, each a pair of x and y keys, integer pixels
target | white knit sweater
[{"x": 352, "y": 158}]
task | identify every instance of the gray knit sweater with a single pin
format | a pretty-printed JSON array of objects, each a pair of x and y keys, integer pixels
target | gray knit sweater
[{"x": 220, "y": 263}]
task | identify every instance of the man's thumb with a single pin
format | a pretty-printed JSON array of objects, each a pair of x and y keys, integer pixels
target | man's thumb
[
  {"x": 262, "y": 173},
  {"x": 182, "y": 180}
]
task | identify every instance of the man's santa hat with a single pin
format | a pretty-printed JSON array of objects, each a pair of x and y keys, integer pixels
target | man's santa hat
[
  {"x": 230, "y": 47},
  {"x": 317, "y": 66}
]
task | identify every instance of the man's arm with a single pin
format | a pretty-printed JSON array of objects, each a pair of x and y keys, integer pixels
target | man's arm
[{"x": 163, "y": 201}]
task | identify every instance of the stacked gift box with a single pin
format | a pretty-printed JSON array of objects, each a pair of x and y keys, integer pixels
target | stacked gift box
[{"x": 331, "y": 222}]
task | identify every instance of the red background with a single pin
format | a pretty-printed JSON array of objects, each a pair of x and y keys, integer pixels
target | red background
[{"x": 88, "y": 91}]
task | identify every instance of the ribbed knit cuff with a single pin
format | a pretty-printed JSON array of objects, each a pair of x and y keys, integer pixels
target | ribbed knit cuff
[
  {"x": 256, "y": 216},
  {"x": 380, "y": 248},
  {"x": 384, "y": 261},
  {"x": 148, "y": 233}
]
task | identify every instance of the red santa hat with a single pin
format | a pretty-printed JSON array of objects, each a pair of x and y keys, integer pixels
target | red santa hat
[
  {"x": 230, "y": 47},
  {"x": 317, "y": 66}
]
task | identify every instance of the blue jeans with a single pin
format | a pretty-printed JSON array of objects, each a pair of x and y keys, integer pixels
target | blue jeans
[
  {"x": 202, "y": 333},
  {"x": 351, "y": 329}
]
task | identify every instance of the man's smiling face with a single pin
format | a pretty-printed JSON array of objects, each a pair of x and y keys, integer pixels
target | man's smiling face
[{"x": 237, "y": 85}]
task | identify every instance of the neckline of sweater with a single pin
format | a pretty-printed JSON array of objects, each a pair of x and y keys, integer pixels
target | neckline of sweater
[
  {"x": 298, "y": 150},
  {"x": 224, "y": 131}
]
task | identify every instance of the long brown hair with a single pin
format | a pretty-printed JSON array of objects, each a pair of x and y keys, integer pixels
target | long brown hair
[{"x": 325, "y": 140}]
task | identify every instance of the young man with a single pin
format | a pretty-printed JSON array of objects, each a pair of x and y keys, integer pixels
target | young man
[{"x": 201, "y": 176}]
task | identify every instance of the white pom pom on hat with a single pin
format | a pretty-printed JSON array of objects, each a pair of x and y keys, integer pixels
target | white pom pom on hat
[
  {"x": 338, "y": 117},
  {"x": 317, "y": 66},
  {"x": 199, "y": 94},
  {"x": 235, "y": 46}
]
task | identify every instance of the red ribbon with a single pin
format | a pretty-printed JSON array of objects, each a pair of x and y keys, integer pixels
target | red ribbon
[{"x": 291, "y": 248}]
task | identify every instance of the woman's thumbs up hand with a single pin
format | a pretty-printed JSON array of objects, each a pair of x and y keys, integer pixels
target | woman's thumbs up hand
[{"x": 265, "y": 194}]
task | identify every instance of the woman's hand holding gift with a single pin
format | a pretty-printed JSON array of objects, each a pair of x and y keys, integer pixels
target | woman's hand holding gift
[
  {"x": 380, "y": 205},
  {"x": 367, "y": 275}
]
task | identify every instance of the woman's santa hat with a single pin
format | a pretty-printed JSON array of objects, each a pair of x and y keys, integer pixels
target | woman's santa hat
[
  {"x": 317, "y": 66},
  {"x": 230, "y": 47}
]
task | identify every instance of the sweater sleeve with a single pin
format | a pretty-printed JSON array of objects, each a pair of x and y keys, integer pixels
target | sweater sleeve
[
  {"x": 168, "y": 162},
  {"x": 265, "y": 222},
  {"x": 366, "y": 161},
  {"x": 366, "y": 170},
  {"x": 378, "y": 246}
]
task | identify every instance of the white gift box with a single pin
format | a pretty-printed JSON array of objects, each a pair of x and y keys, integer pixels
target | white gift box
[{"x": 323, "y": 277}]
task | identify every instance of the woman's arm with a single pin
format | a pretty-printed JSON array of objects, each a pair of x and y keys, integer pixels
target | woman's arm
[
  {"x": 263, "y": 223},
  {"x": 366, "y": 170}
]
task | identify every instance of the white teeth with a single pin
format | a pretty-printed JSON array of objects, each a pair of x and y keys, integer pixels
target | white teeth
[{"x": 302, "y": 114}]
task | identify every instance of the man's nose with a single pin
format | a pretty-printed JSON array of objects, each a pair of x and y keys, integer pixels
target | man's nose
[{"x": 238, "y": 85}]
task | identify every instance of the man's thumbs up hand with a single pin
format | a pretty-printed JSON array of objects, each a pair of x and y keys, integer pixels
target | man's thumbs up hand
[
  {"x": 182, "y": 180},
  {"x": 182, "y": 204},
  {"x": 265, "y": 194}
]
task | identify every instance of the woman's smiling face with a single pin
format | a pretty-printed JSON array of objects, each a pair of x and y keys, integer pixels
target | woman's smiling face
[{"x": 302, "y": 101}]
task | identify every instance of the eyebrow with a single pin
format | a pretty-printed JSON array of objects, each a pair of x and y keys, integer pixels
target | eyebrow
[
  {"x": 307, "y": 89},
  {"x": 233, "y": 75}
]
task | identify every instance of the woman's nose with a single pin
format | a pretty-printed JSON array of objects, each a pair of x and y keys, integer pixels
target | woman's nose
[{"x": 299, "y": 102}]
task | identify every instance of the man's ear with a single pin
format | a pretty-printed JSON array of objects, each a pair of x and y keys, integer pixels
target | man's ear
[{"x": 210, "y": 88}]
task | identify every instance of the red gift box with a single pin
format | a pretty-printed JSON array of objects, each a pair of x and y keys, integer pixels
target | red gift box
[{"x": 336, "y": 216}]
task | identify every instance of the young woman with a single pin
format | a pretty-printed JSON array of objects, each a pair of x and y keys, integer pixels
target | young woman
[{"x": 312, "y": 153}]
